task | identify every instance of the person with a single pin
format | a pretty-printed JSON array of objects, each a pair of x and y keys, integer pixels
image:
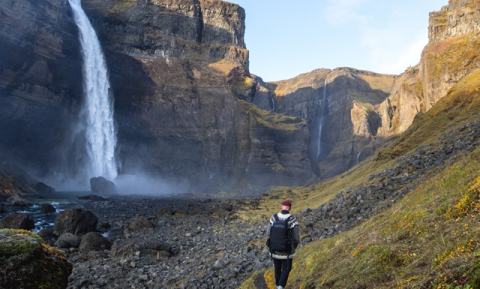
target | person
[{"x": 283, "y": 260}]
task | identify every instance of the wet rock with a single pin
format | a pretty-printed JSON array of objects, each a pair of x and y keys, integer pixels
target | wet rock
[
  {"x": 102, "y": 185},
  {"x": 77, "y": 221},
  {"x": 94, "y": 241},
  {"x": 47, "y": 208},
  {"x": 17, "y": 221},
  {"x": 68, "y": 240},
  {"x": 139, "y": 223}
]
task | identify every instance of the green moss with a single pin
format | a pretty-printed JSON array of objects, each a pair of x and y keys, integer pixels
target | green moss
[
  {"x": 21, "y": 246},
  {"x": 23, "y": 233}
]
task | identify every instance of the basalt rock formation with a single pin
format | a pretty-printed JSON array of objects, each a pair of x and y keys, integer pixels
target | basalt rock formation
[
  {"x": 361, "y": 109},
  {"x": 174, "y": 69},
  {"x": 186, "y": 105}
]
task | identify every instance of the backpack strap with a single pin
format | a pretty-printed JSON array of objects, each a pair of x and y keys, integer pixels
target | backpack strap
[{"x": 276, "y": 217}]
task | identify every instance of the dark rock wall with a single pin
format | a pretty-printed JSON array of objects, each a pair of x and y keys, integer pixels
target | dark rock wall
[{"x": 40, "y": 79}]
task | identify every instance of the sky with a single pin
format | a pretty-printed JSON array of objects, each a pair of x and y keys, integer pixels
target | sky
[{"x": 290, "y": 37}]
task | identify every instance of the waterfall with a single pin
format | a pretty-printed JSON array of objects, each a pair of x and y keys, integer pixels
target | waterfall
[
  {"x": 358, "y": 156},
  {"x": 98, "y": 108},
  {"x": 273, "y": 102},
  {"x": 322, "y": 118}
]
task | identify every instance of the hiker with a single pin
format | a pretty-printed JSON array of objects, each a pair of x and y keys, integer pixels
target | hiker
[{"x": 284, "y": 237}]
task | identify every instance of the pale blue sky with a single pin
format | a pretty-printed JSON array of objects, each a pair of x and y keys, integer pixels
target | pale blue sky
[{"x": 290, "y": 37}]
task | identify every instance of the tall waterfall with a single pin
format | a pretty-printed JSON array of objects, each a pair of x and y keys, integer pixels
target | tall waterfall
[
  {"x": 322, "y": 118},
  {"x": 98, "y": 109}
]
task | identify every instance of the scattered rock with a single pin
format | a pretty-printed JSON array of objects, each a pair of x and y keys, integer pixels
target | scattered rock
[
  {"x": 182, "y": 212},
  {"x": 68, "y": 240},
  {"x": 94, "y": 241},
  {"x": 146, "y": 247},
  {"x": 47, "y": 208},
  {"x": 102, "y": 185},
  {"x": 17, "y": 221},
  {"x": 165, "y": 211},
  {"x": 139, "y": 223},
  {"x": 77, "y": 221}
]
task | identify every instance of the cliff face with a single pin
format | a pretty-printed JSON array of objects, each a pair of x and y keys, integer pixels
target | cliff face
[
  {"x": 361, "y": 109},
  {"x": 40, "y": 79},
  {"x": 342, "y": 102},
  {"x": 186, "y": 106}
]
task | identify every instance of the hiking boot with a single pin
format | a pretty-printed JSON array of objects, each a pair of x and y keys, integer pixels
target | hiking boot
[{"x": 279, "y": 287}]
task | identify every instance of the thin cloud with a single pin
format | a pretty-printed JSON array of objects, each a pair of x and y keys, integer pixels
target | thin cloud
[{"x": 341, "y": 12}]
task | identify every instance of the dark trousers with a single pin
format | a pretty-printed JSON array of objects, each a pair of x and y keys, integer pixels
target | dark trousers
[{"x": 282, "y": 269}]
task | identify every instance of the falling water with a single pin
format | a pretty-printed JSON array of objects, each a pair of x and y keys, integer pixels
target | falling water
[
  {"x": 273, "y": 102},
  {"x": 358, "y": 156},
  {"x": 98, "y": 109},
  {"x": 322, "y": 118}
]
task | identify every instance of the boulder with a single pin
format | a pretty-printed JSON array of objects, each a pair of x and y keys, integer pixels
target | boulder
[
  {"x": 68, "y": 240},
  {"x": 165, "y": 211},
  {"x": 102, "y": 185},
  {"x": 44, "y": 189},
  {"x": 77, "y": 221},
  {"x": 46, "y": 232},
  {"x": 146, "y": 247},
  {"x": 94, "y": 241},
  {"x": 47, "y": 208},
  {"x": 182, "y": 212},
  {"x": 25, "y": 263},
  {"x": 139, "y": 223},
  {"x": 17, "y": 221}
]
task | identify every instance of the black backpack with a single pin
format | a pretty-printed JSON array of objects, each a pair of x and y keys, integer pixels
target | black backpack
[{"x": 280, "y": 236}]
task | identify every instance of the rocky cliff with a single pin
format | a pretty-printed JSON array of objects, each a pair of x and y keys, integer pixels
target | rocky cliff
[
  {"x": 361, "y": 109},
  {"x": 40, "y": 80},
  {"x": 175, "y": 69}
]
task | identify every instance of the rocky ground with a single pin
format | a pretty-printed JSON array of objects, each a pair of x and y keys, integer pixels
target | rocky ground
[{"x": 204, "y": 243}]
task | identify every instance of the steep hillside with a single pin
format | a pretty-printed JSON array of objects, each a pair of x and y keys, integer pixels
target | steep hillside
[
  {"x": 406, "y": 216},
  {"x": 351, "y": 112}
]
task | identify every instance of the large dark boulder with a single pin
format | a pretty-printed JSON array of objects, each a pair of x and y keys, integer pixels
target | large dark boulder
[
  {"x": 102, "y": 185},
  {"x": 47, "y": 208},
  {"x": 77, "y": 221},
  {"x": 68, "y": 240},
  {"x": 17, "y": 221},
  {"x": 94, "y": 241},
  {"x": 25, "y": 263},
  {"x": 146, "y": 247}
]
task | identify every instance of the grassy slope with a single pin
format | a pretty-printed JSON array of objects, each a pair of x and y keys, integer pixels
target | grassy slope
[{"x": 421, "y": 240}]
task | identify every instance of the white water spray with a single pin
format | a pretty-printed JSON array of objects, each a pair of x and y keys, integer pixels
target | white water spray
[
  {"x": 322, "y": 118},
  {"x": 98, "y": 109},
  {"x": 358, "y": 156},
  {"x": 273, "y": 102}
]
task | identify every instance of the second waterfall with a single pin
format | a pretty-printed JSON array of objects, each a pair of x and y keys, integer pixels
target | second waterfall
[{"x": 97, "y": 112}]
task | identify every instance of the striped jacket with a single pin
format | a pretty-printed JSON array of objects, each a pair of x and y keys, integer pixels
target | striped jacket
[{"x": 293, "y": 224}]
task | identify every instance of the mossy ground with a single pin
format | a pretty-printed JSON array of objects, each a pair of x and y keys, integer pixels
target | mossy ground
[
  {"x": 431, "y": 239},
  {"x": 428, "y": 240}
]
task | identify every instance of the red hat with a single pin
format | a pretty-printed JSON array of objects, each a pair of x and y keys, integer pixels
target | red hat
[{"x": 287, "y": 203}]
